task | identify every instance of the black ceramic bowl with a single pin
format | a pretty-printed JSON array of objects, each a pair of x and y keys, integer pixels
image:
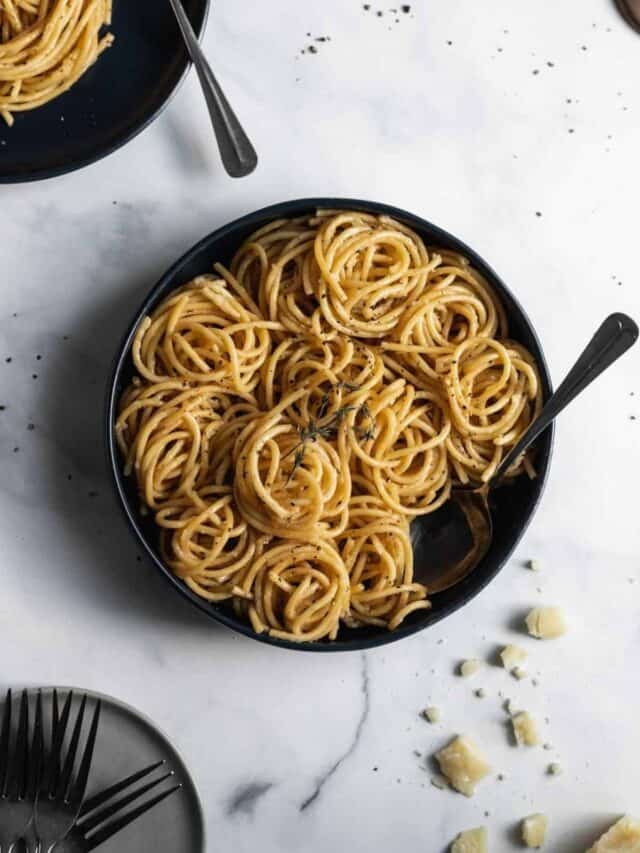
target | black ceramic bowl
[
  {"x": 513, "y": 506},
  {"x": 111, "y": 103}
]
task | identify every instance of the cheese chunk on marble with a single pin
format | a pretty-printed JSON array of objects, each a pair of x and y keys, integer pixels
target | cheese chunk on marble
[
  {"x": 546, "y": 623},
  {"x": 470, "y": 667},
  {"x": 512, "y": 657},
  {"x": 623, "y": 837},
  {"x": 525, "y": 729},
  {"x": 463, "y": 764},
  {"x": 471, "y": 841},
  {"x": 534, "y": 830},
  {"x": 432, "y": 714}
]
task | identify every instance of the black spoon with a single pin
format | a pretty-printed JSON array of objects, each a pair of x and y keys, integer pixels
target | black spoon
[
  {"x": 449, "y": 543},
  {"x": 238, "y": 155}
]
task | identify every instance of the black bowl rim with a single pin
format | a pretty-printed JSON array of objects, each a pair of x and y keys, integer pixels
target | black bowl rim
[
  {"x": 102, "y": 152},
  {"x": 298, "y": 207}
]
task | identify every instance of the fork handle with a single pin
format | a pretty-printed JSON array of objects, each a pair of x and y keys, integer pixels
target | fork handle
[
  {"x": 614, "y": 337},
  {"x": 238, "y": 154}
]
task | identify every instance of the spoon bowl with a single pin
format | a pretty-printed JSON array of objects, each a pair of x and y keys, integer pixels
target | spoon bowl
[{"x": 449, "y": 543}]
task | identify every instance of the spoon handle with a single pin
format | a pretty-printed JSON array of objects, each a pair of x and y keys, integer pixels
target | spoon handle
[
  {"x": 614, "y": 337},
  {"x": 238, "y": 154}
]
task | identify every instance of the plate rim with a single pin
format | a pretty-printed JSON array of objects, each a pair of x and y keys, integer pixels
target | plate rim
[
  {"x": 35, "y": 175},
  {"x": 280, "y": 210}
]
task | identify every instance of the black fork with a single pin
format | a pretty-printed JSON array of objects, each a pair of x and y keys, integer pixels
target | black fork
[
  {"x": 20, "y": 769},
  {"x": 102, "y": 816},
  {"x": 42, "y": 799},
  {"x": 62, "y": 791},
  {"x": 100, "y": 819}
]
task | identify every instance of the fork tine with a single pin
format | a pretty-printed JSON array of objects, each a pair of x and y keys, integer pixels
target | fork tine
[
  {"x": 55, "y": 721},
  {"x": 55, "y": 715},
  {"x": 59, "y": 729},
  {"x": 97, "y": 800},
  {"x": 99, "y": 817},
  {"x": 80, "y": 785},
  {"x": 64, "y": 782},
  {"x": 21, "y": 749},
  {"x": 37, "y": 751},
  {"x": 110, "y": 830},
  {"x": 5, "y": 734}
]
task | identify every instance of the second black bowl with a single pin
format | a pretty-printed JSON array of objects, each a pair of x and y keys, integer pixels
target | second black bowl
[{"x": 513, "y": 507}]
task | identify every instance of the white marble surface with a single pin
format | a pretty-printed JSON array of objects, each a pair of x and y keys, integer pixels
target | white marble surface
[{"x": 469, "y": 136}]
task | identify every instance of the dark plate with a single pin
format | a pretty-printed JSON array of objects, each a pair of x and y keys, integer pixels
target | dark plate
[
  {"x": 126, "y": 742},
  {"x": 513, "y": 505},
  {"x": 117, "y": 98}
]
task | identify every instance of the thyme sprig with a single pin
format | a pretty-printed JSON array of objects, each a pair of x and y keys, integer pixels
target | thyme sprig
[
  {"x": 315, "y": 430},
  {"x": 326, "y": 397},
  {"x": 366, "y": 433}
]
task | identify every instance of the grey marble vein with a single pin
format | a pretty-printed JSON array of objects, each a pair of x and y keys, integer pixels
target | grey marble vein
[
  {"x": 245, "y": 798},
  {"x": 364, "y": 713}
]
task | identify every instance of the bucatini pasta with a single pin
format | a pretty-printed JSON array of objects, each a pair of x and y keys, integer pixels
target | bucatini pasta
[
  {"x": 291, "y": 415},
  {"x": 45, "y": 47}
]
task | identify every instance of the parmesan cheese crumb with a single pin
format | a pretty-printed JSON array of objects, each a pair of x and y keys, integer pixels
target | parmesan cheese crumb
[
  {"x": 432, "y": 714},
  {"x": 534, "y": 830},
  {"x": 554, "y": 769},
  {"x": 623, "y": 836},
  {"x": 512, "y": 656},
  {"x": 533, "y": 565},
  {"x": 519, "y": 673},
  {"x": 470, "y": 667},
  {"x": 545, "y": 623},
  {"x": 471, "y": 841},
  {"x": 463, "y": 764},
  {"x": 524, "y": 729}
]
